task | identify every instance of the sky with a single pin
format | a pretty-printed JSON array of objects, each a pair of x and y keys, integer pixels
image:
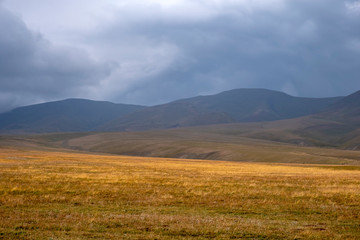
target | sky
[{"x": 151, "y": 52}]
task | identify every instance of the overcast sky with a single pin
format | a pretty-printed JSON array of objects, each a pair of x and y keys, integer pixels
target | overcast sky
[{"x": 151, "y": 51}]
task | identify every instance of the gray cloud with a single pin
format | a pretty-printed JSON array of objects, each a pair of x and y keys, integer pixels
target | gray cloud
[
  {"x": 33, "y": 69},
  {"x": 306, "y": 48},
  {"x": 164, "y": 50}
]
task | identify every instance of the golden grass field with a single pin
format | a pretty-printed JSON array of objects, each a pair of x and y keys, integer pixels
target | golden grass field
[{"x": 69, "y": 195}]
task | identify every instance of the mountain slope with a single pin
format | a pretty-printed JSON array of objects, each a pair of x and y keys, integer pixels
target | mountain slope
[
  {"x": 347, "y": 110},
  {"x": 338, "y": 126},
  {"x": 63, "y": 116},
  {"x": 218, "y": 142},
  {"x": 341, "y": 124},
  {"x": 239, "y": 105}
]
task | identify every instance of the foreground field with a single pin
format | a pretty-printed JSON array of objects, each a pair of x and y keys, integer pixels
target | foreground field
[{"x": 59, "y": 195}]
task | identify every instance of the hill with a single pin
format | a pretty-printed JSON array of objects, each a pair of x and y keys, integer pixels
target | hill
[
  {"x": 234, "y": 106},
  {"x": 239, "y": 105},
  {"x": 334, "y": 127},
  {"x": 290, "y": 140},
  {"x": 223, "y": 142},
  {"x": 347, "y": 110},
  {"x": 63, "y": 116},
  {"x": 339, "y": 124}
]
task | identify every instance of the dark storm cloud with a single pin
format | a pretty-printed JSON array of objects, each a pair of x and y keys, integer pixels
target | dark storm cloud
[
  {"x": 32, "y": 69},
  {"x": 164, "y": 50},
  {"x": 307, "y": 48}
]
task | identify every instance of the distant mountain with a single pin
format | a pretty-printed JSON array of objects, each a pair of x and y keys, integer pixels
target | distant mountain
[
  {"x": 246, "y": 114},
  {"x": 337, "y": 125},
  {"x": 234, "y": 106},
  {"x": 346, "y": 110},
  {"x": 63, "y": 116}
]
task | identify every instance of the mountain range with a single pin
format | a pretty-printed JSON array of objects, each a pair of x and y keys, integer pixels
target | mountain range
[
  {"x": 234, "y": 106},
  {"x": 70, "y": 115},
  {"x": 193, "y": 127}
]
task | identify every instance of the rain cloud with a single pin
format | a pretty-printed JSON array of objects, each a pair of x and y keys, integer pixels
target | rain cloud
[{"x": 151, "y": 52}]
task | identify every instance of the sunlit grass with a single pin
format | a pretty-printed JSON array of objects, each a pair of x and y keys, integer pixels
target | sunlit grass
[{"x": 58, "y": 195}]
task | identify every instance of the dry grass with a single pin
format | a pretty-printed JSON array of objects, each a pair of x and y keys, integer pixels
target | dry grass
[
  {"x": 188, "y": 143},
  {"x": 58, "y": 195}
]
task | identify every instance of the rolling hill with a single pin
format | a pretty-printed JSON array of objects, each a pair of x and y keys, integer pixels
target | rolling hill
[
  {"x": 337, "y": 126},
  {"x": 71, "y": 115},
  {"x": 239, "y": 105},
  {"x": 234, "y": 106},
  {"x": 230, "y": 142},
  {"x": 347, "y": 110}
]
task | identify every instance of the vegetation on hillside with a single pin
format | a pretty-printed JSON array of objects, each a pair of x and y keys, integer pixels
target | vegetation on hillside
[
  {"x": 237, "y": 105},
  {"x": 221, "y": 142}
]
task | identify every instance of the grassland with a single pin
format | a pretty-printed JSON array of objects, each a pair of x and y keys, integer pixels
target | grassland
[
  {"x": 199, "y": 143},
  {"x": 69, "y": 195}
]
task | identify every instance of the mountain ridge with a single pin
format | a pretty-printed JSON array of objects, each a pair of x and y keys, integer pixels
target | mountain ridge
[
  {"x": 237, "y": 105},
  {"x": 69, "y": 115},
  {"x": 232, "y": 106}
]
